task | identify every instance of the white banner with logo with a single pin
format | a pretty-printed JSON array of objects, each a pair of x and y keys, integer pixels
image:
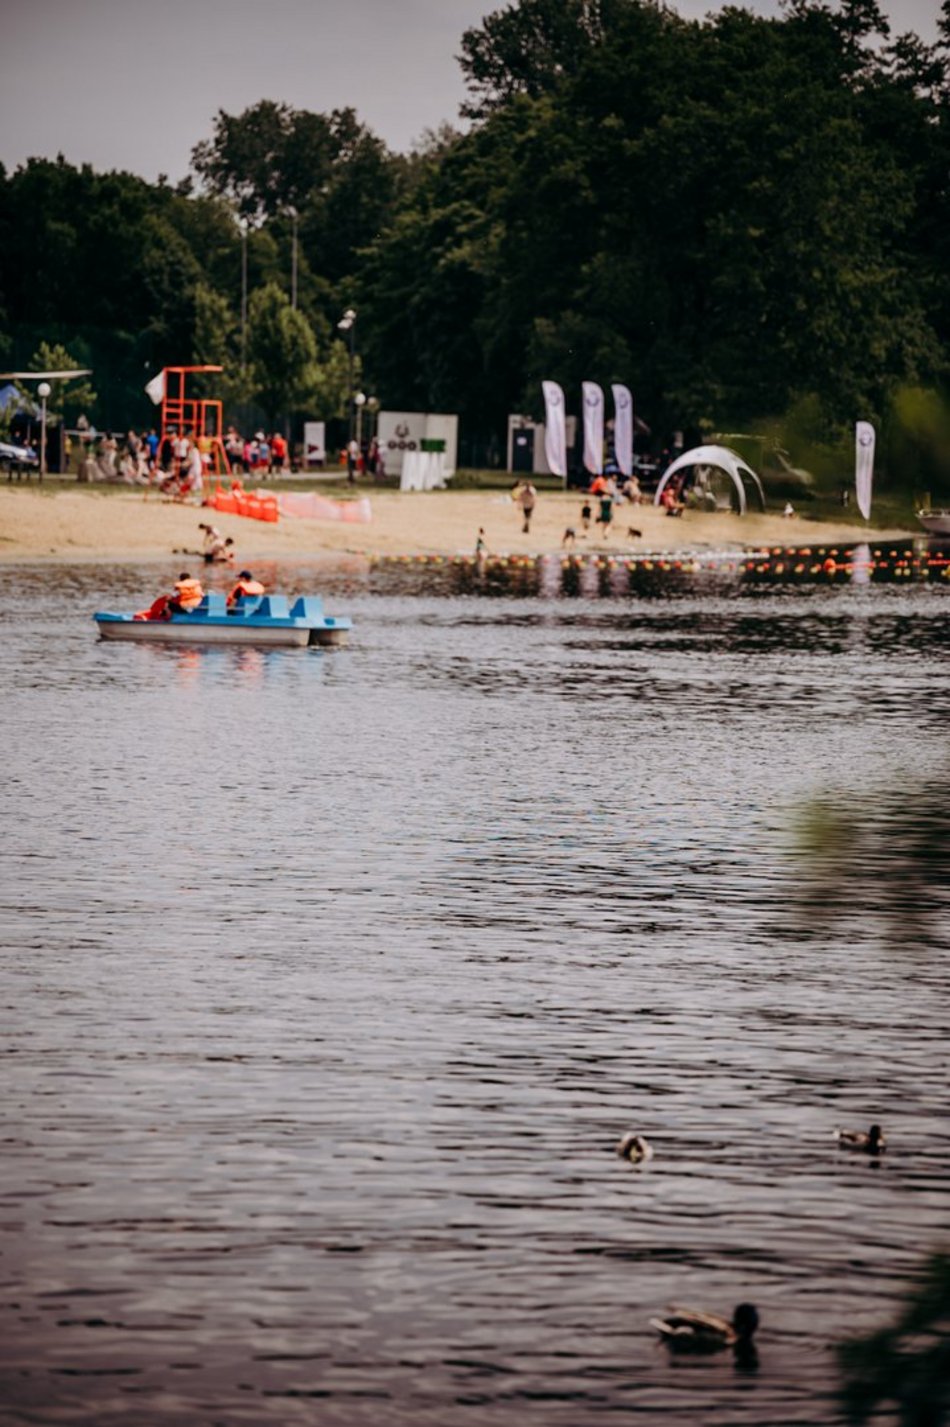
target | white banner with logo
[
  {"x": 863, "y": 465},
  {"x": 593, "y": 428},
  {"x": 555, "y": 431},
  {"x": 399, "y": 433},
  {"x": 315, "y": 443},
  {"x": 623, "y": 427}
]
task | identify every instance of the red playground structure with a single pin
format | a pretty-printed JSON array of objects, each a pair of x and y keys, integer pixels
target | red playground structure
[{"x": 196, "y": 416}]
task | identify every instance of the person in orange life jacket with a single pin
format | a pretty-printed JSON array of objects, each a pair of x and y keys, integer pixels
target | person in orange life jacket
[
  {"x": 187, "y": 596},
  {"x": 245, "y": 588}
]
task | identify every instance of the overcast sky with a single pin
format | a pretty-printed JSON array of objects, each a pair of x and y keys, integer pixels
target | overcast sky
[{"x": 134, "y": 84}]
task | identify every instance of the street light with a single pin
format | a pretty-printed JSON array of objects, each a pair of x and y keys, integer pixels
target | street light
[
  {"x": 243, "y": 296},
  {"x": 359, "y": 401},
  {"x": 294, "y": 216},
  {"x": 347, "y": 323},
  {"x": 43, "y": 391}
]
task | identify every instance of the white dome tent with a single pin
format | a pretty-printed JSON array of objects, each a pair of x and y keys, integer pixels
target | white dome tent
[{"x": 724, "y": 459}]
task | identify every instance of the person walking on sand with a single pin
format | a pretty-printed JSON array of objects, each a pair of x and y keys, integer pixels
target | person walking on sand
[
  {"x": 526, "y": 497},
  {"x": 481, "y": 544}
]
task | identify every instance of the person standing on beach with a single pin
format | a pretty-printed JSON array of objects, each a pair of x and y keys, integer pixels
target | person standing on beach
[
  {"x": 526, "y": 496},
  {"x": 352, "y": 460}
]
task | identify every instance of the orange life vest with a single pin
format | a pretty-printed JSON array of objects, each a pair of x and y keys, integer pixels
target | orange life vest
[
  {"x": 245, "y": 588},
  {"x": 189, "y": 593}
]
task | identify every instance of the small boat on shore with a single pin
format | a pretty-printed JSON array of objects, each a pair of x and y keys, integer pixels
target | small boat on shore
[
  {"x": 266, "y": 622},
  {"x": 935, "y": 522}
]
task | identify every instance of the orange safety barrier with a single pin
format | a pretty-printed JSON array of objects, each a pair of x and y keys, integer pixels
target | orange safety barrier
[{"x": 254, "y": 505}]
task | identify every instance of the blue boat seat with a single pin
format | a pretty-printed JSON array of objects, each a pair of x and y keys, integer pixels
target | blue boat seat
[
  {"x": 307, "y": 607},
  {"x": 248, "y": 605},
  {"x": 213, "y": 602},
  {"x": 273, "y": 607}
]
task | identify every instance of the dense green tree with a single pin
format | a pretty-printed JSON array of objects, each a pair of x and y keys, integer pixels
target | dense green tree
[
  {"x": 273, "y": 161},
  {"x": 740, "y": 217},
  {"x": 282, "y": 352},
  {"x": 528, "y": 48},
  {"x": 717, "y": 212},
  {"x": 68, "y": 396},
  {"x": 217, "y": 342}
]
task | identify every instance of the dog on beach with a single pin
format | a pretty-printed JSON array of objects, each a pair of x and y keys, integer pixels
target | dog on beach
[{"x": 634, "y": 534}]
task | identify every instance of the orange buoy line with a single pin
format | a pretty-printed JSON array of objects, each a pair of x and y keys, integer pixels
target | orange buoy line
[{"x": 805, "y": 563}]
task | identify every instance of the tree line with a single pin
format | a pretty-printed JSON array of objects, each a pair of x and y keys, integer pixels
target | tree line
[{"x": 743, "y": 219}]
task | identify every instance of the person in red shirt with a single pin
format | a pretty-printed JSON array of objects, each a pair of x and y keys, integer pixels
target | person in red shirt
[{"x": 278, "y": 452}]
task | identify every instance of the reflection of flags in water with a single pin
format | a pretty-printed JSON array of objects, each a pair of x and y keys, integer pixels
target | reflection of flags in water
[
  {"x": 861, "y": 565},
  {"x": 156, "y": 388},
  {"x": 593, "y": 428},
  {"x": 623, "y": 427},
  {"x": 863, "y": 465},
  {"x": 555, "y": 434}
]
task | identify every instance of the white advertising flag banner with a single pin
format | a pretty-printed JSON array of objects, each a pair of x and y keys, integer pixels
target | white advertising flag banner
[
  {"x": 555, "y": 432},
  {"x": 593, "y": 428},
  {"x": 156, "y": 388},
  {"x": 863, "y": 465},
  {"x": 623, "y": 428}
]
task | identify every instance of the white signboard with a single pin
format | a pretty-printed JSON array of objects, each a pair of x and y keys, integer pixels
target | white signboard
[
  {"x": 443, "y": 427},
  {"x": 401, "y": 433},
  {"x": 315, "y": 443}
]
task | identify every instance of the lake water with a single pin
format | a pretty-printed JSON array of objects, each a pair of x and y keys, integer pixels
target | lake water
[{"x": 330, "y": 980}]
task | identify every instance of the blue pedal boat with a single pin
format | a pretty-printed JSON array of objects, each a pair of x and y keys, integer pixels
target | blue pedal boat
[{"x": 268, "y": 621}]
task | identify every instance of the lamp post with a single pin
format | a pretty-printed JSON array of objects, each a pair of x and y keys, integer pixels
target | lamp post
[
  {"x": 243, "y": 296},
  {"x": 293, "y": 258},
  {"x": 43, "y": 391},
  {"x": 359, "y": 401},
  {"x": 347, "y": 323}
]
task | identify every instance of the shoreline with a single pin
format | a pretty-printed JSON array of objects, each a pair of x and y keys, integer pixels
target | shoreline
[{"x": 90, "y": 526}]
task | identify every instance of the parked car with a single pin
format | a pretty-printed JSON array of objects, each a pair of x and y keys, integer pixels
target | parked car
[{"x": 17, "y": 459}]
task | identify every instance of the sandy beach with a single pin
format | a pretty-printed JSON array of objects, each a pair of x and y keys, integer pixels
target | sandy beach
[{"x": 121, "y": 526}]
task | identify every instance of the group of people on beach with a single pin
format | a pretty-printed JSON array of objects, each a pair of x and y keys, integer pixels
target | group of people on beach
[
  {"x": 179, "y": 463},
  {"x": 605, "y": 489},
  {"x": 259, "y": 455}
]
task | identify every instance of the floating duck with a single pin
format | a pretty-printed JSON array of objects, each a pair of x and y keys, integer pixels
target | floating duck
[
  {"x": 690, "y": 1330},
  {"x": 635, "y": 1149},
  {"x": 870, "y": 1142}
]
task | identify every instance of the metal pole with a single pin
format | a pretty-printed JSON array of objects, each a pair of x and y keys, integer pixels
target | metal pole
[
  {"x": 352, "y": 368},
  {"x": 43, "y": 391},
  {"x": 293, "y": 263},
  {"x": 243, "y": 296}
]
